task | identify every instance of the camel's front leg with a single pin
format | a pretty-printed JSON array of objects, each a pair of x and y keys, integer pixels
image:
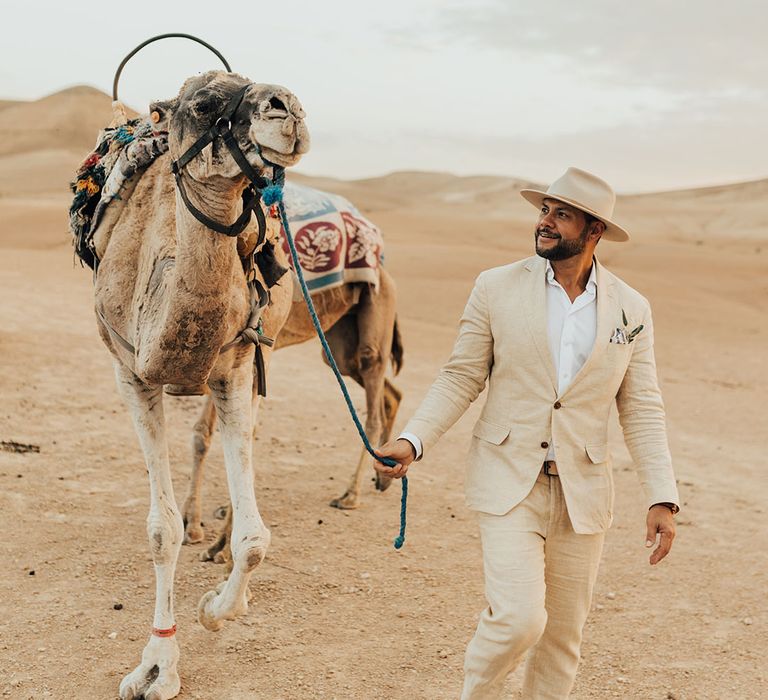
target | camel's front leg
[
  {"x": 201, "y": 443},
  {"x": 156, "y": 677},
  {"x": 219, "y": 552},
  {"x": 250, "y": 536}
]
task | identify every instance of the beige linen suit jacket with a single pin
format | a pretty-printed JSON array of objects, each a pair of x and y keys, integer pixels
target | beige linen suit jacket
[{"x": 503, "y": 339}]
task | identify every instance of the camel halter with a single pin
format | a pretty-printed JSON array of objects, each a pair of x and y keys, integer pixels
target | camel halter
[{"x": 222, "y": 128}]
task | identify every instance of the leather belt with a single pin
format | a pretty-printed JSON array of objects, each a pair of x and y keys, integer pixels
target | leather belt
[{"x": 549, "y": 468}]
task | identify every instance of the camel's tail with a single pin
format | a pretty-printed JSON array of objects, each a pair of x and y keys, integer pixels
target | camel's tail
[{"x": 397, "y": 349}]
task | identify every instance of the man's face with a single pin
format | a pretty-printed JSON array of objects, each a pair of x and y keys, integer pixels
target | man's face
[{"x": 561, "y": 231}]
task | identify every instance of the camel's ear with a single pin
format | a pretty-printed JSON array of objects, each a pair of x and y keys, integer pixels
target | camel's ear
[{"x": 161, "y": 111}]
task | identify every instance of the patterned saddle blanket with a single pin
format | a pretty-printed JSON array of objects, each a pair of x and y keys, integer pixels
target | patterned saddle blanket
[{"x": 335, "y": 242}]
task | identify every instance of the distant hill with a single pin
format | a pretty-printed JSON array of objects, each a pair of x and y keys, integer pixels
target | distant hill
[
  {"x": 43, "y": 141},
  {"x": 422, "y": 188},
  {"x": 68, "y": 120}
]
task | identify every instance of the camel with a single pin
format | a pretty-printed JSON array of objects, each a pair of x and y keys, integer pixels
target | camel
[
  {"x": 361, "y": 328},
  {"x": 170, "y": 296}
]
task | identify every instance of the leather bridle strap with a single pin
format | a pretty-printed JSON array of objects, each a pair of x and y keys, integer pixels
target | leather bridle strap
[
  {"x": 222, "y": 128},
  {"x": 250, "y": 204}
]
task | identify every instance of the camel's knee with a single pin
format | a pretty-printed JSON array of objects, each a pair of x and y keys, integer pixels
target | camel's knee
[
  {"x": 370, "y": 359},
  {"x": 165, "y": 534},
  {"x": 251, "y": 550},
  {"x": 201, "y": 438},
  {"x": 200, "y": 445},
  {"x": 394, "y": 396}
]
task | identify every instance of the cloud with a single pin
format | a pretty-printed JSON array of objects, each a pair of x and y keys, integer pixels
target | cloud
[{"x": 709, "y": 45}]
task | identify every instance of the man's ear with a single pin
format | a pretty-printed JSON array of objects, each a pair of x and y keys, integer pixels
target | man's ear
[
  {"x": 597, "y": 229},
  {"x": 161, "y": 112}
]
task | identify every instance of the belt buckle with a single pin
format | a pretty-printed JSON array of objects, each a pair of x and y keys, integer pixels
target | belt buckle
[{"x": 546, "y": 469}]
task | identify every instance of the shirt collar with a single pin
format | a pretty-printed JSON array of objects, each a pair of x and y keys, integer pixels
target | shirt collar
[{"x": 591, "y": 282}]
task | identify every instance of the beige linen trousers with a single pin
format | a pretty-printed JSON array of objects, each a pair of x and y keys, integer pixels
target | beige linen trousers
[{"x": 503, "y": 340}]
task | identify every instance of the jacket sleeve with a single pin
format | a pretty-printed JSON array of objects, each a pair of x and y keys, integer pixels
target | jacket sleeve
[
  {"x": 642, "y": 417},
  {"x": 463, "y": 377}
]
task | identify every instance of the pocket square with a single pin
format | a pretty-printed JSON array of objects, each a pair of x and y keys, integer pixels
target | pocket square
[{"x": 621, "y": 336}]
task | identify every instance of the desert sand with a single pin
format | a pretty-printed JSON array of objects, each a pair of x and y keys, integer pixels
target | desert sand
[{"x": 336, "y": 612}]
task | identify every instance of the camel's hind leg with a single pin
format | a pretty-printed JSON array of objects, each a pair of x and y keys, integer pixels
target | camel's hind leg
[
  {"x": 201, "y": 443},
  {"x": 156, "y": 676},
  {"x": 392, "y": 398},
  {"x": 391, "y": 402},
  {"x": 250, "y": 537},
  {"x": 364, "y": 356}
]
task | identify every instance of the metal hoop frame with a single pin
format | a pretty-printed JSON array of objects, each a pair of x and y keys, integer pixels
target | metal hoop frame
[{"x": 173, "y": 35}]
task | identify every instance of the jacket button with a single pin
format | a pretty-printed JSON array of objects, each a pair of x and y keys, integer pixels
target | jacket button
[
  {"x": 558, "y": 404},
  {"x": 545, "y": 445}
]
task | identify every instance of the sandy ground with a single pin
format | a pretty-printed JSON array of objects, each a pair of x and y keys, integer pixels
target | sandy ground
[{"x": 336, "y": 612}]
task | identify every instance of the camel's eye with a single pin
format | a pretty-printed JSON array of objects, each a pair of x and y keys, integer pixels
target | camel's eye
[{"x": 209, "y": 104}]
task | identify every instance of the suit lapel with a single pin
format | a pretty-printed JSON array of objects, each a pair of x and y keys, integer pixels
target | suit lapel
[
  {"x": 607, "y": 313},
  {"x": 534, "y": 300}
]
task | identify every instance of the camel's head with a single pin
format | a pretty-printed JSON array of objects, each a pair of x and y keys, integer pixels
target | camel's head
[{"x": 268, "y": 124}]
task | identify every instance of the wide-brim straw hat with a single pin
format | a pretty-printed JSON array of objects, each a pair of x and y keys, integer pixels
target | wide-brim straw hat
[{"x": 584, "y": 191}]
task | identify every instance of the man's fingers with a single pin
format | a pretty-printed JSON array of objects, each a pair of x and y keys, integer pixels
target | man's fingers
[
  {"x": 665, "y": 544},
  {"x": 396, "y": 472},
  {"x": 400, "y": 450},
  {"x": 384, "y": 450}
]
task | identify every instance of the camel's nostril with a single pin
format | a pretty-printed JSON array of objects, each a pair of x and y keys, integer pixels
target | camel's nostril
[{"x": 276, "y": 103}]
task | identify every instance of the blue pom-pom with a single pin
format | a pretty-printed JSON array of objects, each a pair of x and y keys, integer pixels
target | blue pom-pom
[{"x": 272, "y": 194}]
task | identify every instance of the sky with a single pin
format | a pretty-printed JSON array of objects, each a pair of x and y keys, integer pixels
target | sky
[{"x": 649, "y": 95}]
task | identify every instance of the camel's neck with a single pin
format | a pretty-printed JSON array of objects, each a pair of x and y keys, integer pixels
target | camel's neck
[
  {"x": 206, "y": 259},
  {"x": 204, "y": 301}
]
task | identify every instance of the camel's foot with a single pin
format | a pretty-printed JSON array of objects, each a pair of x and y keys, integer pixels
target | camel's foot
[
  {"x": 193, "y": 533},
  {"x": 192, "y": 516},
  {"x": 213, "y": 610},
  {"x": 193, "y": 526},
  {"x": 230, "y": 599},
  {"x": 218, "y": 552},
  {"x": 155, "y": 678},
  {"x": 383, "y": 482},
  {"x": 349, "y": 501}
]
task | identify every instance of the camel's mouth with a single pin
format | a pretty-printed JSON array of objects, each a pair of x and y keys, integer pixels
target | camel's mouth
[
  {"x": 286, "y": 160},
  {"x": 277, "y": 124}
]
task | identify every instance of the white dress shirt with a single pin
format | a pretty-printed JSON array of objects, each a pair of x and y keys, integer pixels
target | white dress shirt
[{"x": 571, "y": 330}]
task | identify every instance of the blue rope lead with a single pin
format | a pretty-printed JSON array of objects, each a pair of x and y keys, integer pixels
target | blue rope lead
[{"x": 274, "y": 195}]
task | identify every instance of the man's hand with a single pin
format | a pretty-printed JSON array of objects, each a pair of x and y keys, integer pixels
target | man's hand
[
  {"x": 401, "y": 451},
  {"x": 659, "y": 521}
]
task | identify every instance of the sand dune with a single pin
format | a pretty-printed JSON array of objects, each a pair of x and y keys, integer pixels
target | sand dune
[
  {"x": 336, "y": 612},
  {"x": 67, "y": 120}
]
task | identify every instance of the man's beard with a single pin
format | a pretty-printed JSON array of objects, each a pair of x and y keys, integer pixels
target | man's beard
[{"x": 564, "y": 249}]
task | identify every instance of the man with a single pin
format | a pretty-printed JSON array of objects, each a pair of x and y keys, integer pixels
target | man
[{"x": 559, "y": 339}]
